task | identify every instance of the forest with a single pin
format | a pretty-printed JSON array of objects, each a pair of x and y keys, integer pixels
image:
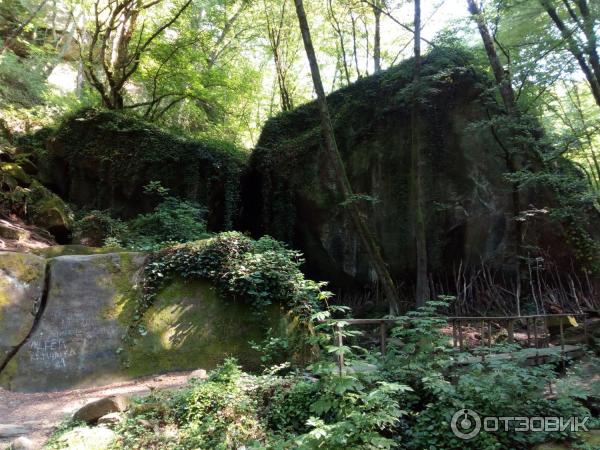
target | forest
[{"x": 314, "y": 224}]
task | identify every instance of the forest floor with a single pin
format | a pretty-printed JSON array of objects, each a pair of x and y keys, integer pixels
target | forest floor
[{"x": 39, "y": 413}]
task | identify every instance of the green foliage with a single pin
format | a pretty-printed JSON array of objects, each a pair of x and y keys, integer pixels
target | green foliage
[
  {"x": 121, "y": 154},
  {"x": 499, "y": 387},
  {"x": 260, "y": 272},
  {"x": 219, "y": 413},
  {"x": 287, "y": 404},
  {"x": 405, "y": 400},
  {"x": 172, "y": 221}
]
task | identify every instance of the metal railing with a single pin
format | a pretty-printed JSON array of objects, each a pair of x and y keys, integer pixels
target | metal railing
[{"x": 539, "y": 338}]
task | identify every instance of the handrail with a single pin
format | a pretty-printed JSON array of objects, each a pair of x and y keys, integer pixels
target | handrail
[
  {"x": 531, "y": 321},
  {"x": 453, "y": 318}
]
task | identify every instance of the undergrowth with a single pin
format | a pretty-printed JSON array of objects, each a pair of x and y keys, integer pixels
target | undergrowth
[{"x": 403, "y": 400}]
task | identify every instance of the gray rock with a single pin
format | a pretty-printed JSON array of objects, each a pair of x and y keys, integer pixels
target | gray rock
[
  {"x": 83, "y": 438},
  {"x": 22, "y": 443},
  {"x": 92, "y": 412},
  {"x": 81, "y": 329},
  {"x": 198, "y": 374},
  {"x": 12, "y": 430},
  {"x": 21, "y": 287},
  {"x": 110, "y": 419}
]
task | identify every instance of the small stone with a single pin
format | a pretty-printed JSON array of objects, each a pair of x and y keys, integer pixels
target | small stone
[
  {"x": 93, "y": 411},
  {"x": 83, "y": 438},
  {"x": 12, "y": 430},
  {"x": 110, "y": 419},
  {"x": 145, "y": 423},
  {"x": 22, "y": 443},
  {"x": 198, "y": 374}
]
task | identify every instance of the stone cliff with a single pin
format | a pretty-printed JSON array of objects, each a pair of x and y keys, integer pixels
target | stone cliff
[{"x": 290, "y": 191}]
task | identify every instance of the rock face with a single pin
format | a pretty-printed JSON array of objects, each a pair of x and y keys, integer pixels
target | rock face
[
  {"x": 102, "y": 160},
  {"x": 189, "y": 326},
  {"x": 21, "y": 289},
  {"x": 80, "y": 330},
  {"x": 290, "y": 192},
  {"x": 81, "y": 337},
  {"x": 83, "y": 438}
]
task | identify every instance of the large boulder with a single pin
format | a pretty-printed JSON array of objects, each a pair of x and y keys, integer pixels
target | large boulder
[
  {"x": 93, "y": 411},
  {"x": 101, "y": 160},
  {"x": 290, "y": 190},
  {"x": 76, "y": 340},
  {"x": 89, "y": 333},
  {"x": 21, "y": 289},
  {"x": 84, "y": 438},
  {"x": 190, "y": 326}
]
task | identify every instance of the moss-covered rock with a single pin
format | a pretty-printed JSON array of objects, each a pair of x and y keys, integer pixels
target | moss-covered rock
[
  {"x": 84, "y": 337},
  {"x": 190, "y": 326},
  {"x": 75, "y": 249},
  {"x": 102, "y": 160},
  {"x": 49, "y": 211},
  {"x": 290, "y": 191},
  {"x": 21, "y": 288},
  {"x": 87, "y": 438},
  {"x": 13, "y": 175},
  {"x": 75, "y": 341}
]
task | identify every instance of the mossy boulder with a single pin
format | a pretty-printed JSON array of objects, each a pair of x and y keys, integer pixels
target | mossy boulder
[
  {"x": 21, "y": 288},
  {"x": 49, "y": 211},
  {"x": 75, "y": 341},
  {"x": 290, "y": 190},
  {"x": 12, "y": 175},
  {"x": 87, "y": 438},
  {"x": 102, "y": 160},
  {"x": 88, "y": 334},
  {"x": 75, "y": 249},
  {"x": 190, "y": 326}
]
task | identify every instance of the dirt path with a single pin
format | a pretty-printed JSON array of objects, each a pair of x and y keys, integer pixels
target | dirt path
[{"x": 40, "y": 413}]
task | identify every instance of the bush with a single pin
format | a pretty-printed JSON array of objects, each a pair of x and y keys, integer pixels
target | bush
[{"x": 171, "y": 222}]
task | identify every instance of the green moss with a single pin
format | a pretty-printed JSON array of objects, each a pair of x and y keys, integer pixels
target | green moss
[
  {"x": 9, "y": 372},
  {"x": 189, "y": 326},
  {"x": 14, "y": 173},
  {"x": 369, "y": 119},
  {"x": 66, "y": 250},
  {"x": 111, "y": 156},
  {"x": 21, "y": 266}
]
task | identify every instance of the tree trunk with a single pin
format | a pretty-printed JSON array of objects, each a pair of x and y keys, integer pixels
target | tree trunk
[
  {"x": 342, "y": 181},
  {"x": 592, "y": 74},
  {"x": 513, "y": 161},
  {"x": 502, "y": 80},
  {"x": 377, "y": 41},
  {"x": 422, "y": 282},
  {"x": 19, "y": 30}
]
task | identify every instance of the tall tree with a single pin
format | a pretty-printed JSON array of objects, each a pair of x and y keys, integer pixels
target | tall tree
[
  {"x": 377, "y": 37},
  {"x": 348, "y": 197},
  {"x": 513, "y": 156},
  {"x": 580, "y": 37},
  {"x": 280, "y": 48},
  {"x": 116, "y": 45},
  {"x": 422, "y": 282}
]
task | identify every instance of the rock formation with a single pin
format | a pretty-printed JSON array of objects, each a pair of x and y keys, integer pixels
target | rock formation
[
  {"x": 102, "y": 160},
  {"x": 69, "y": 328},
  {"x": 290, "y": 191}
]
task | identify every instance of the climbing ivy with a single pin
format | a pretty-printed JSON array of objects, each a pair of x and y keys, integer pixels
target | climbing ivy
[
  {"x": 259, "y": 272},
  {"x": 120, "y": 154}
]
